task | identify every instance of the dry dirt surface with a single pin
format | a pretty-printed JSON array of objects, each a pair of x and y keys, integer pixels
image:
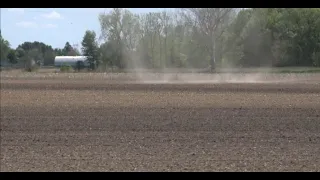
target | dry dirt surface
[{"x": 83, "y": 125}]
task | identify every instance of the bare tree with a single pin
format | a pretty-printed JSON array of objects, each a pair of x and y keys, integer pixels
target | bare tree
[
  {"x": 130, "y": 30},
  {"x": 209, "y": 21},
  {"x": 151, "y": 29},
  {"x": 165, "y": 17},
  {"x": 111, "y": 30}
]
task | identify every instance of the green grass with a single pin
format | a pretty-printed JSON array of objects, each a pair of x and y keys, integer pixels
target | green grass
[
  {"x": 223, "y": 70},
  {"x": 300, "y": 71},
  {"x": 272, "y": 70},
  {"x": 296, "y": 70}
]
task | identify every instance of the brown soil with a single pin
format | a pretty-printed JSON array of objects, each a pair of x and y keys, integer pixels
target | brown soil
[{"x": 96, "y": 126}]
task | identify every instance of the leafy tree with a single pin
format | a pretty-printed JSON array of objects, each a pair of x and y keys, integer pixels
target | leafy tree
[
  {"x": 67, "y": 48},
  {"x": 58, "y": 52},
  {"x": 5, "y": 48},
  {"x": 211, "y": 23},
  {"x": 20, "y": 53},
  {"x": 90, "y": 48},
  {"x": 38, "y": 51},
  {"x": 112, "y": 31},
  {"x": 49, "y": 58},
  {"x": 12, "y": 56}
]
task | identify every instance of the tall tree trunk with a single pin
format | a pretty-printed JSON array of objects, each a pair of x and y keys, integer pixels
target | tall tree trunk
[
  {"x": 152, "y": 58},
  {"x": 161, "y": 63},
  {"x": 212, "y": 59},
  {"x": 165, "y": 52}
]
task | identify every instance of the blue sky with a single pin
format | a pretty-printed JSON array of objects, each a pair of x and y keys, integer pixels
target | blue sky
[{"x": 53, "y": 26}]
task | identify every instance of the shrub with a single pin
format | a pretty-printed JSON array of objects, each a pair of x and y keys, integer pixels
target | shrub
[{"x": 65, "y": 68}]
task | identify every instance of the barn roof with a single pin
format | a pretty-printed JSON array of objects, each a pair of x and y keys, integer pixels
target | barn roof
[{"x": 70, "y": 58}]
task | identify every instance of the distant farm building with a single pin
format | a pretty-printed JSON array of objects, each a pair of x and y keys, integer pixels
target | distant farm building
[{"x": 73, "y": 61}]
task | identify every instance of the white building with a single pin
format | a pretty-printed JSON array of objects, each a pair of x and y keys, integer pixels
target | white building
[{"x": 70, "y": 60}]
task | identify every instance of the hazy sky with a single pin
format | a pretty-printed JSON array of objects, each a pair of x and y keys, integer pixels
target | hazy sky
[{"x": 53, "y": 26}]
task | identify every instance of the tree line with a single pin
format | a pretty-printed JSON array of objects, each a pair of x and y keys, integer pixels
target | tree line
[
  {"x": 39, "y": 52},
  {"x": 195, "y": 38}
]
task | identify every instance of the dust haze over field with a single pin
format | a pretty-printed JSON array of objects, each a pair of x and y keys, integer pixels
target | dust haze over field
[
  {"x": 204, "y": 78},
  {"x": 172, "y": 76}
]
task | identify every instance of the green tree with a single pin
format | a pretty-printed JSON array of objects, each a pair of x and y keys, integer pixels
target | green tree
[
  {"x": 37, "y": 51},
  {"x": 106, "y": 55},
  {"x": 12, "y": 56},
  {"x": 90, "y": 48},
  {"x": 5, "y": 48},
  {"x": 49, "y": 58},
  {"x": 112, "y": 31},
  {"x": 67, "y": 48},
  {"x": 58, "y": 52},
  {"x": 20, "y": 54}
]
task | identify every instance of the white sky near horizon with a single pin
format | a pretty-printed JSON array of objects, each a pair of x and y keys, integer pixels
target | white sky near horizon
[{"x": 52, "y": 26}]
